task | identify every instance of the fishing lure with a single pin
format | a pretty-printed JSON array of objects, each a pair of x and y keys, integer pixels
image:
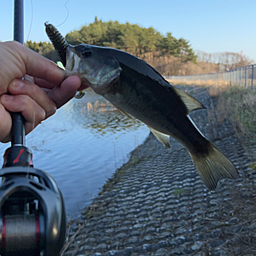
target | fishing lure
[
  {"x": 60, "y": 45},
  {"x": 58, "y": 41}
]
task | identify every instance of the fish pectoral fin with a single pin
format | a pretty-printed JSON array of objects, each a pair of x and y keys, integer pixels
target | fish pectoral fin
[
  {"x": 125, "y": 113},
  {"x": 213, "y": 167},
  {"x": 190, "y": 102},
  {"x": 163, "y": 138}
]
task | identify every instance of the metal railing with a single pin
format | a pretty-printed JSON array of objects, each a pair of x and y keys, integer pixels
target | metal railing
[{"x": 241, "y": 76}]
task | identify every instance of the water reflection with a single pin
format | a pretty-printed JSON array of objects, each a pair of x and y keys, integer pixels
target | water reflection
[
  {"x": 82, "y": 145},
  {"x": 102, "y": 118}
]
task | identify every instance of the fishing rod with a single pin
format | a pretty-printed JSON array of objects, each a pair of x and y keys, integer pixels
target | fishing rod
[{"x": 32, "y": 211}]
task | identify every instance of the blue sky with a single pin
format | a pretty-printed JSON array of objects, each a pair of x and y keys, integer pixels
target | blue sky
[{"x": 210, "y": 26}]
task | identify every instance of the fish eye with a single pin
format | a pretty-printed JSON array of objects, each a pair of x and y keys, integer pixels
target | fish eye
[{"x": 86, "y": 53}]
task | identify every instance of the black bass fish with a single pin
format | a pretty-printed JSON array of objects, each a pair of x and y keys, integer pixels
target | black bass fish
[{"x": 139, "y": 90}]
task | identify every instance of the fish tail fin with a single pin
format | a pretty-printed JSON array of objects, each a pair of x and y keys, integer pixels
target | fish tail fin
[{"x": 213, "y": 166}]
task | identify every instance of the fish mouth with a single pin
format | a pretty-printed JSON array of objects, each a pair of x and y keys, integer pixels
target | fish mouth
[
  {"x": 73, "y": 60},
  {"x": 94, "y": 76},
  {"x": 72, "y": 65}
]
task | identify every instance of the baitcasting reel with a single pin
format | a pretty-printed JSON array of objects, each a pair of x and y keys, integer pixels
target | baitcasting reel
[{"x": 32, "y": 212}]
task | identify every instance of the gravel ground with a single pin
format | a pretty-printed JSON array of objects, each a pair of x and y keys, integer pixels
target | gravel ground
[{"x": 156, "y": 204}]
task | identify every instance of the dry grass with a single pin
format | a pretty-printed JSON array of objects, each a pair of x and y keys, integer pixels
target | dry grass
[
  {"x": 236, "y": 103},
  {"x": 215, "y": 88},
  {"x": 239, "y": 105},
  {"x": 199, "y": 82}
]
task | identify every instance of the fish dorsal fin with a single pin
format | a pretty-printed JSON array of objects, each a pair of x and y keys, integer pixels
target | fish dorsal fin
[
  {"x": 163, "y": 138},
  {"x": 190, "y": 102}
]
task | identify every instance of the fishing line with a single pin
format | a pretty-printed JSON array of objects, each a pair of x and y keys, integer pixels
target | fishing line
[
  {"x": 32, "y": 17},
  {"x": 66, "y": 16}
]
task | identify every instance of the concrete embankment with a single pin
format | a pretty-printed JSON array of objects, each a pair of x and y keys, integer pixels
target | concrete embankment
[{"x": 156, "y": 204}]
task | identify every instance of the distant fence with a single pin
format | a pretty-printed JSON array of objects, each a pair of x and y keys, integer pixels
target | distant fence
[{"x": 243, "y": 76}]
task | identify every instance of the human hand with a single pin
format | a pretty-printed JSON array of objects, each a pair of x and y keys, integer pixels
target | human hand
[{"x": 37, "y": 97}]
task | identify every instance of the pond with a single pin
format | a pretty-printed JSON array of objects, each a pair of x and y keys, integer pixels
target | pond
[{"x": 82, "y": 145}]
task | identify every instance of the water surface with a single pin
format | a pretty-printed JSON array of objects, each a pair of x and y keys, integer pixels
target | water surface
[{"x": 82, "y": 145}]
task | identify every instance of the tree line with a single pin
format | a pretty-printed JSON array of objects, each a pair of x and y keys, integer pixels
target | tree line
[
  {"x": 128, "y": 37},
  {"x": 132, "y": 38},
  {"x": 225, "y": 60},
  {"x": 167, "y": 54}
]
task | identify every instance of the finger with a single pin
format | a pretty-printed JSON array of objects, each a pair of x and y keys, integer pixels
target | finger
[
  {"x": 36, "y": 65},
  {"x": 5, "y": 127},
  {"x": 66, "y": 91},
  {"x": 31, "y": 111},
  {"x": 47, "y": 85},
  {"x": 23, "y": 87},
  {"x": 43, "y": 83}
]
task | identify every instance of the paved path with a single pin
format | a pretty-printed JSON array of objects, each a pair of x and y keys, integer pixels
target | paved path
[{"x": 156, "y": 204}]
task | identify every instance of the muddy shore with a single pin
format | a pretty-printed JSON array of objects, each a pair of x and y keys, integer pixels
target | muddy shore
[{"x": 156, "y": 204}]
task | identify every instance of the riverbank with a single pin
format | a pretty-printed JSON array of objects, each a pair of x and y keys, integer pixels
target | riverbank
[{"x": 156, "y": 204}]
